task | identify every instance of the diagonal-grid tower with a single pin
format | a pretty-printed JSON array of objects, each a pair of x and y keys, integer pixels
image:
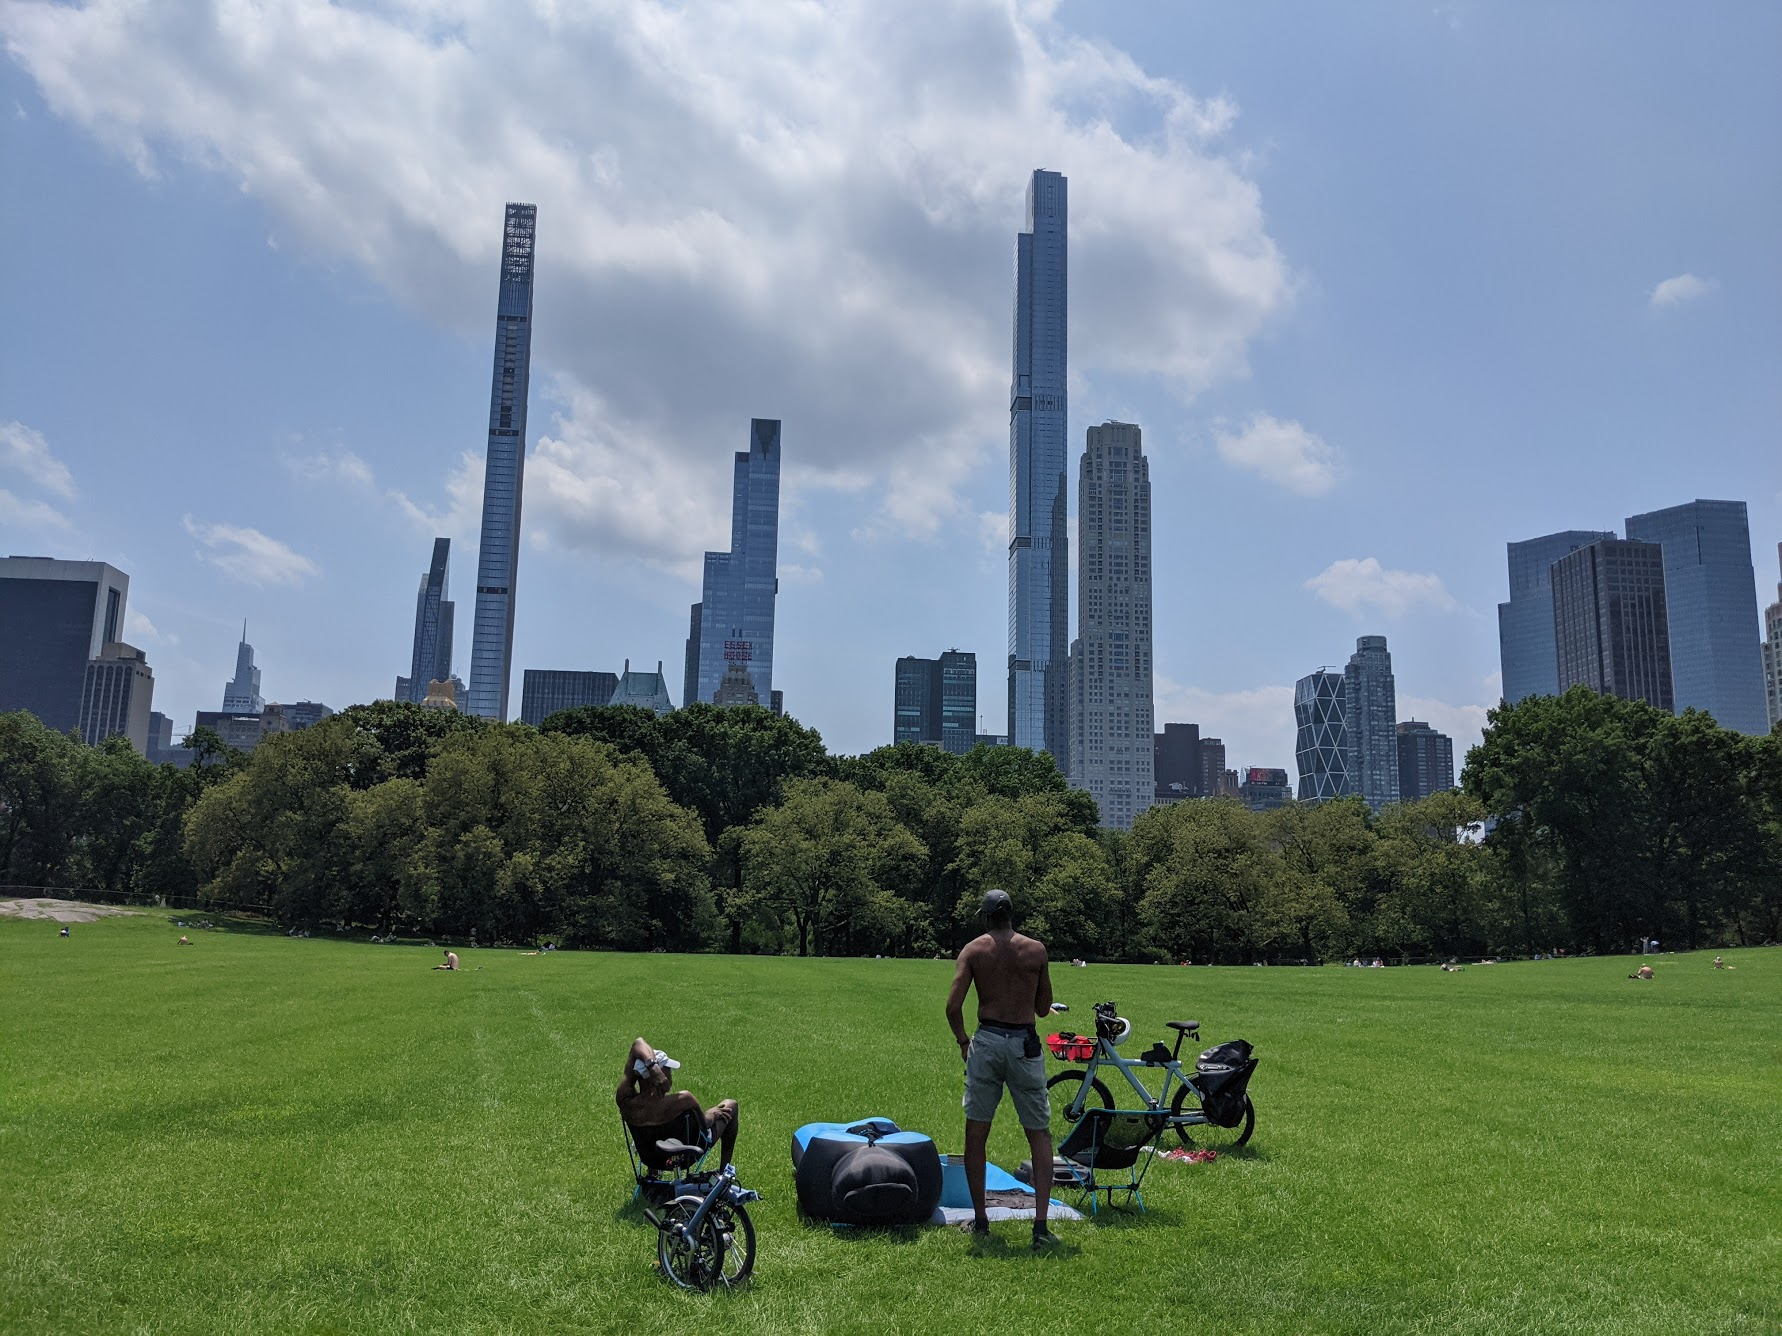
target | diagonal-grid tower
[
  {"x": 498, "y": 556},
  {"x": 1039, "y": 557}
]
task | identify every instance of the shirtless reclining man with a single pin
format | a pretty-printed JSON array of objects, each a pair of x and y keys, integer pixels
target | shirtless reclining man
[
  {"x": 1014, "y": 987},
  {"x": 646, "y": 1104}
]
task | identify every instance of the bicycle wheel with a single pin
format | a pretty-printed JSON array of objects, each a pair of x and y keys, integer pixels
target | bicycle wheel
[
  {"x": 1062, "y": 1089},
  {"x": 1210, "y": 1136},
  {"x": 696, "y": 1263},
  {"x": 738, "y": 1232}
]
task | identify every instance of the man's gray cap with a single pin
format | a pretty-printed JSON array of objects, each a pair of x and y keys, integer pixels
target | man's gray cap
[{"x": 997, "y": 902}]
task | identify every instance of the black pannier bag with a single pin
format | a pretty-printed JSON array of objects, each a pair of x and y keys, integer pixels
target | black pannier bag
[{"x": 1222, "y": 1075}]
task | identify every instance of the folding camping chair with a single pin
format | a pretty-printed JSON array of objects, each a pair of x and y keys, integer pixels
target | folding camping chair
[
  {"x": 660, "y": 1176},
  {"x": 1104, "y": 1141}
]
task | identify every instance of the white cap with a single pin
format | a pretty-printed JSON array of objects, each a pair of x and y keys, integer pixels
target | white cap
[{"x": 664, "y": 1061}]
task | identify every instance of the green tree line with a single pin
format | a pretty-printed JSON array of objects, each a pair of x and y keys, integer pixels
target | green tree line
[{"x": 1582, "y": 822}]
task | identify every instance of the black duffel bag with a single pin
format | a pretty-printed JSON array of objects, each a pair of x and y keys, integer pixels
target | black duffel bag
[{"x": 1222, "y": 1075}]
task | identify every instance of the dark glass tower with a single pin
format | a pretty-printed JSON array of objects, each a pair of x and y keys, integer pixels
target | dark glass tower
[
  {"x": 432, "y": 656},
  {"x": 1373, "y": 722},
  {"x": 1525, "y": 623},
  {"x": 735, "y": 618},
  {"x": 1710, "y": 595},
  {"x": 1039, "y": 554},
  {"x": 1610, "y": 623},
  {"x": 936, "y": 701},
  {"x": 498, "y": 556}
]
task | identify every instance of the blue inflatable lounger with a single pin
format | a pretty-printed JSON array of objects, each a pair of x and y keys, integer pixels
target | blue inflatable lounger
[{"x": 872, "y": 1172}]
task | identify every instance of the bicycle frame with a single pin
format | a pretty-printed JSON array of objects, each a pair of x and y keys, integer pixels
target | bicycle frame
[
  {"x": 1107, "y": 1055},
  {"x": 721, "y": 1188}
]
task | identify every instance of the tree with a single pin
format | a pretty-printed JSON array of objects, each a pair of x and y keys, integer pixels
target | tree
[
  {"x": 1203, "y": 868},
  {"x": 838, "y": 863}
]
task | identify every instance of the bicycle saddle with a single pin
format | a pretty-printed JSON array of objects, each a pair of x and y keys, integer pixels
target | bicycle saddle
[
  {"x": 674, "y": 1147},
  {"x": 1186, "y": 1027}
]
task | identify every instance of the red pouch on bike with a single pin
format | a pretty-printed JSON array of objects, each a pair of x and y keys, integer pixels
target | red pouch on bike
[{"x": 1070, "y": 1047}]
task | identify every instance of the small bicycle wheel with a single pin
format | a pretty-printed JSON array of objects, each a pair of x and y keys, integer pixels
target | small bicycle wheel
[
  {"x": 696, "y": 1263},
  {"x": 1210, "y": 1136},
  {"x": 1062, "y": 1090},
  {"x": 738, "y": 1233}
]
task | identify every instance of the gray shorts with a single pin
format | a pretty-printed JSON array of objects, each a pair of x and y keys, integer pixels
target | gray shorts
[{"x": 996, "y": 1061}]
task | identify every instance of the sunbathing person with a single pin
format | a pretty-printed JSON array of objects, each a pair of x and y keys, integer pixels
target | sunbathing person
[{"x": 645, "y": 1102}]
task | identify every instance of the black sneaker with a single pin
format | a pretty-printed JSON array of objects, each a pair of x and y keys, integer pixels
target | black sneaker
[{"x": 1045, "y": 1240}]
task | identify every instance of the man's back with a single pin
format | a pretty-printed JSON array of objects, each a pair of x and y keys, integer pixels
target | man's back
[{"x": 1006, "y": 969}]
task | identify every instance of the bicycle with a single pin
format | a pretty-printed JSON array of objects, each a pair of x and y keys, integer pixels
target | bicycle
[
  {"x": 1187, "y": 1109},
  {"x": 705, "y": 1237}
]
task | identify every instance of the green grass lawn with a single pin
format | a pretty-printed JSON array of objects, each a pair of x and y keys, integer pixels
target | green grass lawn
[{"x": 260, "y": 1134}]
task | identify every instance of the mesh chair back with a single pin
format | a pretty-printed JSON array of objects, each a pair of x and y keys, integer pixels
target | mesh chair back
[
  {"x": 686, "y": 1128},
  {"x": 1110, "y": 1138}
]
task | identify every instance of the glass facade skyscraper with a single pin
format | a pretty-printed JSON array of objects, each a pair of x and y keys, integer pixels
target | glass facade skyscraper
[
  {"x": 1112, "y": 747},
  {"x": 1425, "y": 761},
  {"x": 504, "y": 473},
  {"x": 241, "y": 694},
  {"x": 55, "y": 617},
  {"x": 431, "y": 660},
  {"x": 1710, "y": 592},
  {"x": 1525, "y": 623},
  {"x": 1772, "y": 652},
  {"x": 1610, "y": 624},
  {"x": 734, "y": 623},
  {"x": 544, "y": 691},
  {"x": 1039, "y": 560},
  {"x": 936, "y": 701},
  {"x": 1322, "y": 750},
  {"x": 1372, "y": 712}
]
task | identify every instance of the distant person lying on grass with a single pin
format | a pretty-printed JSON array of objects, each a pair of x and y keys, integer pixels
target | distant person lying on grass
[
  {"x": 184, "y": 940},
  {"x": 645, "y": 1102},
  {"x": 1643, "y": 972},
  {"x": 451, "y": 961}
]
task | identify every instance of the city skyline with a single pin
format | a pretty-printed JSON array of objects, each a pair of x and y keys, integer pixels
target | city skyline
[{"x": 1297, "y": 293}]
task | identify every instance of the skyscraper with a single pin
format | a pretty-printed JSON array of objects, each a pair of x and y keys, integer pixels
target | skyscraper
[
  {"x": 1175, "y": 763},
  {"x": 1525, "y": 623},
  {"x": 1609, "y": 621},
  {"x": 1372, "y": 713},
  {"x": 1113, "y": 749},
  {"x": 116, "y": 694},
  {"x": 648, "y": 690},
  {"x": 936, "y": 701},
  {"x": 690, "y": 671},
  {"x": 1710, "y": 594},
  {"x": 1322, "y": 750},
  {"x": 544, "y": 691},
  {"x": 241, "y": 693},
  {"x": 504, "y": 474},
  {"x": 55, "y": 617},
  {"x": 1425, "y": 761},
  {"x": 1772, "y": 652},
  {"x": 735, "y": 617},
  {"x": 432, "y": 655},
  {"x": 1039, "y": 559}
]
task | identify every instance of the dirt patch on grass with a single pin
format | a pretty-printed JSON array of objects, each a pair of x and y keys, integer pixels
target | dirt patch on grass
[{"x": 62, "y": 911}]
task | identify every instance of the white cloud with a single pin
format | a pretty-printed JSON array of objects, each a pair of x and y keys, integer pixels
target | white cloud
[
  {"x": 1365, "y": 585},
  {"x": 1682, "y": 288},
  {"x": 140, "y": 629},
  {"x": 343, "y": 466},
  {"x": 993, "y": 533},
  {"x": 793, "y": 573},
  {"x": 1283, "y": 453},
  {"x": 25, "y": 451},
  {"x": 753, "y": 209},
  {"x": 463, "y": 514},
  {"x": 1256, "y": 725},
  {"x": 30, "y": 514},
  {"x": 249, "y": 555}
]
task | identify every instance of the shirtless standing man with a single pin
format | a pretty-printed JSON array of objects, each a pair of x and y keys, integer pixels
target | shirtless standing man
[{"x": 1013, "y": 988}]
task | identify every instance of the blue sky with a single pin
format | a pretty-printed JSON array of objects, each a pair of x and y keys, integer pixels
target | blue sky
[{"x": 1386, "y": 286}]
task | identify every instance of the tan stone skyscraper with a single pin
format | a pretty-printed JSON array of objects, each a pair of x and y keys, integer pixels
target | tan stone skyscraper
[{"x": 1112, "y": 749}]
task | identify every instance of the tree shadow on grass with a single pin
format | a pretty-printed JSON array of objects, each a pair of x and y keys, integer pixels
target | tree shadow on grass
[{"x": 248, "y": 924}]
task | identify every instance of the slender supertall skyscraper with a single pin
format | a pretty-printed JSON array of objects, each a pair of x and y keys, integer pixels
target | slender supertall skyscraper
[
  {"x": 1112, "y": 749},
  {"x": 241, "y": 694},
  {"x": 498, "y": 556},
  {"x": 733, "y": 622},
  {"x": 431, "y": 659},
  {"x": 1372, "y": 711},
  {"x": 1039, "y": 558},
  {"x": 1772, "y": 653}
]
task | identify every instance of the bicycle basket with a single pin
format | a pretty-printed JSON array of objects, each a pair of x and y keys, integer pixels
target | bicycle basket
[
  {"x": 1071, "y": 1047},
  {"x": 1222, "y": 1076}
]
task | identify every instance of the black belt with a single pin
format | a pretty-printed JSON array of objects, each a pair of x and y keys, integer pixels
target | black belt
[{"x": 1004, "y": 1027}]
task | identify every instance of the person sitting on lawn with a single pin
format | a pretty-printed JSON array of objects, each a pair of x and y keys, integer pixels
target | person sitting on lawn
[
  {"x": 645, "y": 1102},
  {"x": 1720, "y": 964},
  {"x": 451, "y": 961},
  {"x": 1643, "y": 972}
]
